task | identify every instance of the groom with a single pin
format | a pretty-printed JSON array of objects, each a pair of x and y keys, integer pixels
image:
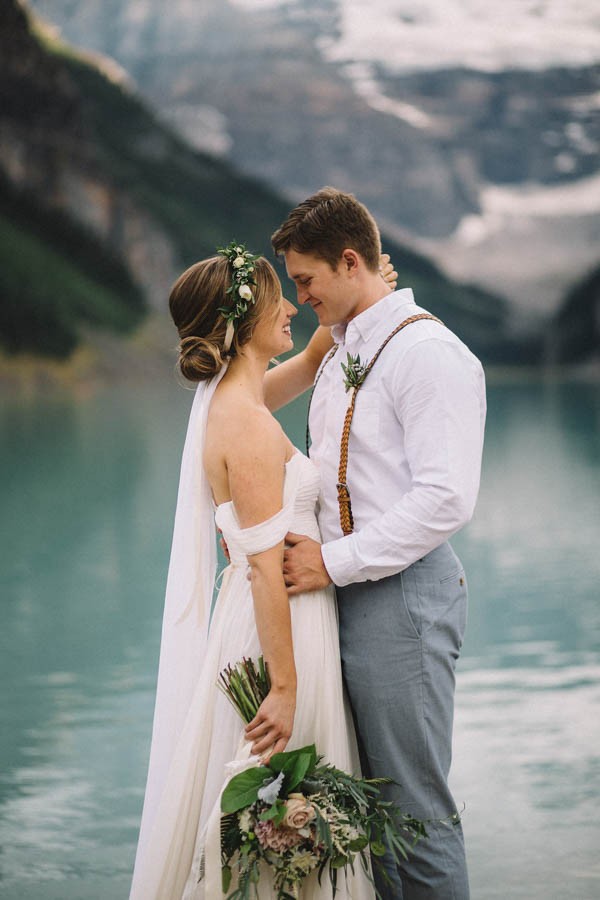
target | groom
[{"x": 413, "y": 458}]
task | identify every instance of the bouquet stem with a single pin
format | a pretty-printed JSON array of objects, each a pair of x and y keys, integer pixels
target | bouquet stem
[{"x": 246, "y": 685}]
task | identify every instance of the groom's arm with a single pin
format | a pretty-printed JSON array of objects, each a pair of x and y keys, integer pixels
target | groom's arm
[{"x": 294, "y": 376}]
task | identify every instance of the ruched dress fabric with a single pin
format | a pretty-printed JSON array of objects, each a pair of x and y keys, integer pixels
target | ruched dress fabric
[{"x": 182, "y": 861}]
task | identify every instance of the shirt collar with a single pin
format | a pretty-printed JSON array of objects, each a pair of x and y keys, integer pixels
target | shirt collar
[{"x": 366, "y": 322}]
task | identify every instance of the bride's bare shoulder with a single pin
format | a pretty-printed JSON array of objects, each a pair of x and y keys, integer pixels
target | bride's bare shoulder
[
  {"x": 235, "y": 415},
  {"x": 242, "y": 438}
]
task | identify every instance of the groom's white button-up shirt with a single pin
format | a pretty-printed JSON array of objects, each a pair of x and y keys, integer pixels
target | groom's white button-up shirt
[{"x": 415, "y": 443}]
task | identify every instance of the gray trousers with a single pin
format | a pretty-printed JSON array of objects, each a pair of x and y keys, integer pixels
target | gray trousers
[{"x": 400, "y": 638}]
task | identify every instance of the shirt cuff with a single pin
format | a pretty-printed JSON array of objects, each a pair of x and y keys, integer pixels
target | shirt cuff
[{"x": 340, "y": 561}]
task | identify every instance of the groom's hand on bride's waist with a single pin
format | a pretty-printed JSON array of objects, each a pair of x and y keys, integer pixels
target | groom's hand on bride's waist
[{"x": 303, "y": 566}]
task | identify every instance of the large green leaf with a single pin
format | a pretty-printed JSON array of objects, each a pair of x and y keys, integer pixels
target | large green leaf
[
  {"x": 295, "y": 765},
  {"x": 242, "y": 790}
]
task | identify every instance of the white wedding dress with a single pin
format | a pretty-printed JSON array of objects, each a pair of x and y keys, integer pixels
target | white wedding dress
[{"x": 180, "y": 855}]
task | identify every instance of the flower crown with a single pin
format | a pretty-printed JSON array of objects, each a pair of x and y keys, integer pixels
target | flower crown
[{"x": 241, "y": 262}]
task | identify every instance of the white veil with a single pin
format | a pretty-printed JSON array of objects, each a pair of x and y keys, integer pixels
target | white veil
[{"x": 188, "y": 599}]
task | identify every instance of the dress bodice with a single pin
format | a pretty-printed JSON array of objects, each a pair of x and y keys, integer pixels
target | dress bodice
[{"x": 300, "y": 492}]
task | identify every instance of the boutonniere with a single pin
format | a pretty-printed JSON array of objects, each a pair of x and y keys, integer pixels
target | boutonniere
[{"x": 354, "y": 372}]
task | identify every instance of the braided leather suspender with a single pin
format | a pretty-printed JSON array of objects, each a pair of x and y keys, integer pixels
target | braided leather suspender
[{"x": 346, "y": 518}]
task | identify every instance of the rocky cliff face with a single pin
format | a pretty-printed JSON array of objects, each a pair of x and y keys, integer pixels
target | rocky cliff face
[
  {"x": 49, "y": 149},
  {"x": 99, "y": 205},
  {"x": 437, "y": 155}
]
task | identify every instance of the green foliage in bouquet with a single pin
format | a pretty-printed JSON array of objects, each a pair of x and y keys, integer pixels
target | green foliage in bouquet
[{"x": 296, "y": 815}]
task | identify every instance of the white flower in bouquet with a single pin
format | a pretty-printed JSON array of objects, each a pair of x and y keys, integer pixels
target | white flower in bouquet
[
  {"x": 238, "y": 262},
  {"x": 246, "y": 821},
  {"x": 245, "y": 292},
  {"x": 304, "y": 861}
]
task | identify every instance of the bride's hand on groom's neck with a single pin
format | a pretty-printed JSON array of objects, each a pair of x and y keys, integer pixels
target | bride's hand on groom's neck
[
  {"x": 387, "y": 271},
  {"x": 303, "y": 566}
]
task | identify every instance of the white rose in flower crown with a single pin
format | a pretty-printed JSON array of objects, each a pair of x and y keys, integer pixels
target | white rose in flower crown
[
  {"x": 245, "y": 292},
  {"x": 238, "y": 262},
  {"x": 299, "y": 812}
]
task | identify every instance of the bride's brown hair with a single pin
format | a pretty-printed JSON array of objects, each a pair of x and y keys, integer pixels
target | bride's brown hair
[{"x": 194, "y": 305}]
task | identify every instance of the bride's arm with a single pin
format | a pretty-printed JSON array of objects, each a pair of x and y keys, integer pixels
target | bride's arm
[
  {"x": 294, "y": 376},
  {"x": 255, "y": 467}
]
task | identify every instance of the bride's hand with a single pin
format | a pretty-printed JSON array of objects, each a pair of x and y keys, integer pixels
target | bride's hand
[
  {"x": 388, "y": 273},
  {"x": 272, "y": 725}
]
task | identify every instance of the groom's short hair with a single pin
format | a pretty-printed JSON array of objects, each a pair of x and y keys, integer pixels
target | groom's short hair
[{"x": 328, "y": 223}]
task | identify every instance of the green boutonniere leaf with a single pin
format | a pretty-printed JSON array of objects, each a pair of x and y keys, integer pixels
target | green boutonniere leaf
[{"x": 354, "y": 372}]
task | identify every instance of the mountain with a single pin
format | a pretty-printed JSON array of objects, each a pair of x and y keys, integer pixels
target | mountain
[
  {"x": 101, "y": 206},
  {"x": 54, "y": 276},
  {"x": 471, "y": 131},
  {"x": 530, "y": 140},
  {"x": 576, "y": 327}
]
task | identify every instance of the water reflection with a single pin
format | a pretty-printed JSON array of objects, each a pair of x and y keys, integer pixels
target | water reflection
[
  {"x": 89, "y": 493},
  {"x": 530, "y": 550},
  {"x": 87, "y": 509}
]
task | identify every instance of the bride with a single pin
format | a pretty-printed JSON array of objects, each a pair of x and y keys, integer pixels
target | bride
[{"x": 240, "y": 470}]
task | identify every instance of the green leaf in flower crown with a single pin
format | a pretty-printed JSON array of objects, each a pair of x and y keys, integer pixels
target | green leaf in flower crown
[
  {"x": 295, "y": 765},
  {"x": 242, "y": 790}
]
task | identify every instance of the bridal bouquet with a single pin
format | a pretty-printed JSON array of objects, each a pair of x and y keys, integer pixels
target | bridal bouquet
[{"x": 296, "y": 814}]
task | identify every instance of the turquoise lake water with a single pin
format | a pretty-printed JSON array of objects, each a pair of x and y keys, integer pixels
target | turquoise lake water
[{"x": 88, "y": 493}]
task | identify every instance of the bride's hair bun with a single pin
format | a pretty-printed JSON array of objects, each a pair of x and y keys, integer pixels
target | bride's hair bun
[
  {"x": 199, "y": 358},
  {"x": 195, "y": 302}
]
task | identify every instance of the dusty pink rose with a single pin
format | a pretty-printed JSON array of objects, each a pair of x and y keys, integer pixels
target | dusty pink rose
[
  {"x": 299, "y": 811},
  {"x": 277, "y": 839}
]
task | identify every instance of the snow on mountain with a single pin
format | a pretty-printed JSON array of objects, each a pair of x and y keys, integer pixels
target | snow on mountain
[
  {"x": 527, "y": 241},
  {"x": 409, "y": 35}
]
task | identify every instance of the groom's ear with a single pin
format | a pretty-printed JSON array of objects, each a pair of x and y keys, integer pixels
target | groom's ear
[{"x": 350, "y": 261}]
